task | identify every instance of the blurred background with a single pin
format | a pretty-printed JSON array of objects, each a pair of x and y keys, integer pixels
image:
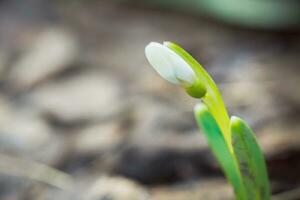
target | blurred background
[{"x": 83, "y": 115}]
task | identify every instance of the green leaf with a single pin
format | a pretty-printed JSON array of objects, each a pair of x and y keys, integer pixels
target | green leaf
[
  {"x": 213, "y": 98},
  {"x": 251, "y": 160},
  {"x": 220, "y": 149}
]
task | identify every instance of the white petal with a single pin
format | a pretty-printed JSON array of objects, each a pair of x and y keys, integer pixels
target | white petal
[{"x": 168, "y": 64}]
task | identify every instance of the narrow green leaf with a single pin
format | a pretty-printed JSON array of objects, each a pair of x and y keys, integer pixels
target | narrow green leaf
[
  {"x": 213, "y": 98},
  {"x": 220, "y": 149},
  {"x": 251, "y": 160}
]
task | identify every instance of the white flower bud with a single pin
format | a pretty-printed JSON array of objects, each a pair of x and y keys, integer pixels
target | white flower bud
[{"x": 169, "y": 64}]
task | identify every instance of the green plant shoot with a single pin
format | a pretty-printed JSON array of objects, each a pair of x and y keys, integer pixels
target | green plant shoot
[{"x": 231, "y": 140}]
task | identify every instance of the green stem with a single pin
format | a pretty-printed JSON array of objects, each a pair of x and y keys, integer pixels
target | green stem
[{"x": 213, "y": 98}]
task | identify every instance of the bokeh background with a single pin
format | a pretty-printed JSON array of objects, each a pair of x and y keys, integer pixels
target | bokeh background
[{"x": 83, "y": 115}]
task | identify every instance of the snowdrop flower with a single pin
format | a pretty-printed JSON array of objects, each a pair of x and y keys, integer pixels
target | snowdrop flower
[{"x": 170, "y": 65}]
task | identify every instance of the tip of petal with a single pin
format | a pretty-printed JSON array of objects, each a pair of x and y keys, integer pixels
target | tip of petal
[
  {"x": 168, "y": 64},
  {"x": 157, "y": 55}
]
